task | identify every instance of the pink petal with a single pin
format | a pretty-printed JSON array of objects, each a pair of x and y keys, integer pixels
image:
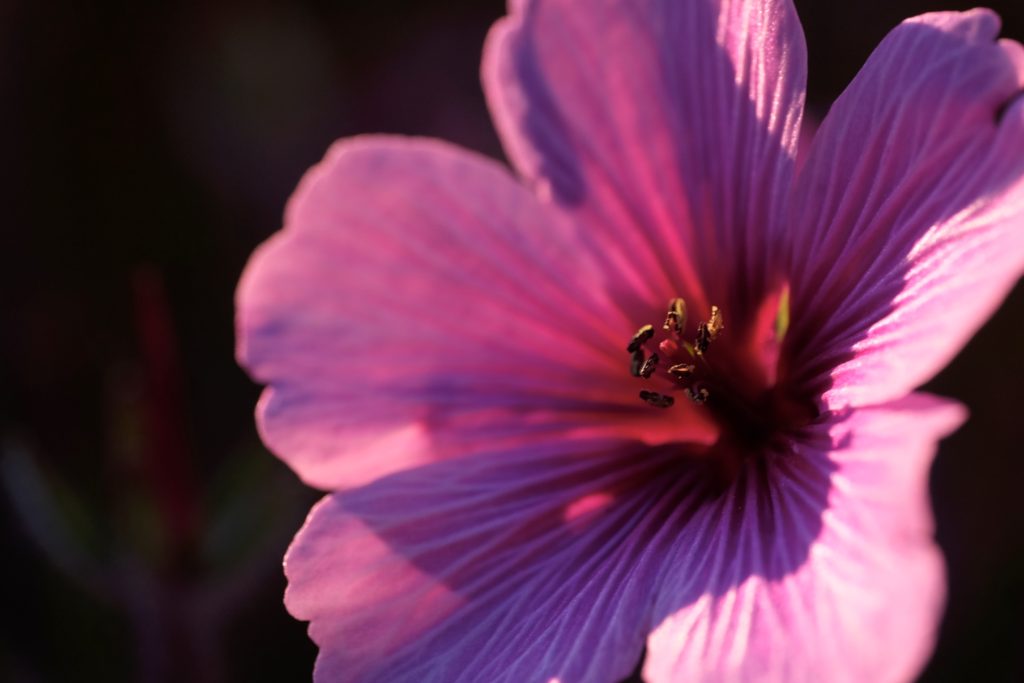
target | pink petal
[
  {"x": 528, "y": 565},
  {"x": 420, "y": 304},
  {"x": 907, "y": 232},
  {"x": 554, "y": 563},
  {"x": 668, "y": 128},
  {"x": 862, "y": 604}
]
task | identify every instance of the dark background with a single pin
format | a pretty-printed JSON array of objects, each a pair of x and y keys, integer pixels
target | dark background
[{"x": 147, "y": 148}]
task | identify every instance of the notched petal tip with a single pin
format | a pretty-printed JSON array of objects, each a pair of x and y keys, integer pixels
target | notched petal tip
[
  {"x": 979, "y": 24},
  {"x": 1003, "y": 111},
  {"x": 1014, "y": 53}
]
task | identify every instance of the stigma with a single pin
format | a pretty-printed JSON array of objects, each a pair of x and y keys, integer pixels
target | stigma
[{"x": 684, "y": 361}]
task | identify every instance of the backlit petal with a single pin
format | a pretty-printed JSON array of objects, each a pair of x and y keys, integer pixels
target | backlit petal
[
  {"x": 669, "y": 128},
  {"x": 420, "y": 303},
  {"x": 864, "y": 603},
  {"x": 909, "y": 223},
  {"x": 529, "y": 565}
]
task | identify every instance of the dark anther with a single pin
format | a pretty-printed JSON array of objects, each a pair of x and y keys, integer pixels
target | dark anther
[
  {"x": 637, "y": 363},
  {"x": 675, "y": 319},
  {"x": 649, "y": 365},
  {"x": 657, "y": 400},
  {"x": 642, "y": 336},
  {"x": 703, "y": 340},
  {"x": 699, "y": 396},
  {"x": 682, "y": 370}
]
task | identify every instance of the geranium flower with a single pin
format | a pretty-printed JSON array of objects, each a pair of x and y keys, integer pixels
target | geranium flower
[{"x": 530, "y": 485}]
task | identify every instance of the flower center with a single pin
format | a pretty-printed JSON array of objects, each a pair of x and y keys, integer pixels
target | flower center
[
  {"x": 734, "y": 378},
  {"x": 684, "y": 363}
]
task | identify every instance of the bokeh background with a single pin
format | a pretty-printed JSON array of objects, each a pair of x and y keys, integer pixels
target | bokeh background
[{"x": 147, "y": 148}]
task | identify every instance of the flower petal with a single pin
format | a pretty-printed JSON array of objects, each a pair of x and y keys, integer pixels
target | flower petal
[
  {"x": 909, "y": 212},
  {"x": 529, "y": 565},
  {"x": 862, "y": 607},
  {"x": 419, "y": 304},
  {"x": 555, "y": 563},
  {"x": 669, "y": 128}
]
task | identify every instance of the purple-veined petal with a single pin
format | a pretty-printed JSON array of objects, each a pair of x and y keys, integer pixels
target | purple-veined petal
[
  {"x": 865, "y": 602},
  {"x": 555, "y": 563},
  {"x": 420, "y": 303},
  {"x": 668, "y": 128},
  {"x": 909, "y": 214},
  {"x": 528, "y": 565}
]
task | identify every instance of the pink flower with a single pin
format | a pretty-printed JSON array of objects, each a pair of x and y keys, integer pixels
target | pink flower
[{"x": 445, "y": 346}]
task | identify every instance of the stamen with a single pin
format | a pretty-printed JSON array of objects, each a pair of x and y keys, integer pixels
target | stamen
[
  {"x": 637, "y": 363},
  {"x": 675, "y": 319},
  {"x": 649, "y": 365},
  {"x": 682, "y": 370},
  {"x": 642, "y": 336},
  {"x": 689, "y": 375},
  {"x": 657, "y": 400},
  {"x": 708, "y": 332}
]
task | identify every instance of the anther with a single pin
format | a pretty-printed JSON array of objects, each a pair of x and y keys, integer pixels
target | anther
[
  {"x": 657, "y": 400},
  {"x": 682, "y": 370},
  {"x": 699, "y": 396},
  {"x": 637, "y": 363},
  {"x": 642, "y": 336},
  {"x": 715, "y": 323},
  {"x": 703, "y": 340},
  {"x": 708, "y": 331},
  {"x": 649, "y": 365},
  {"x": 675, "y": 319}
]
